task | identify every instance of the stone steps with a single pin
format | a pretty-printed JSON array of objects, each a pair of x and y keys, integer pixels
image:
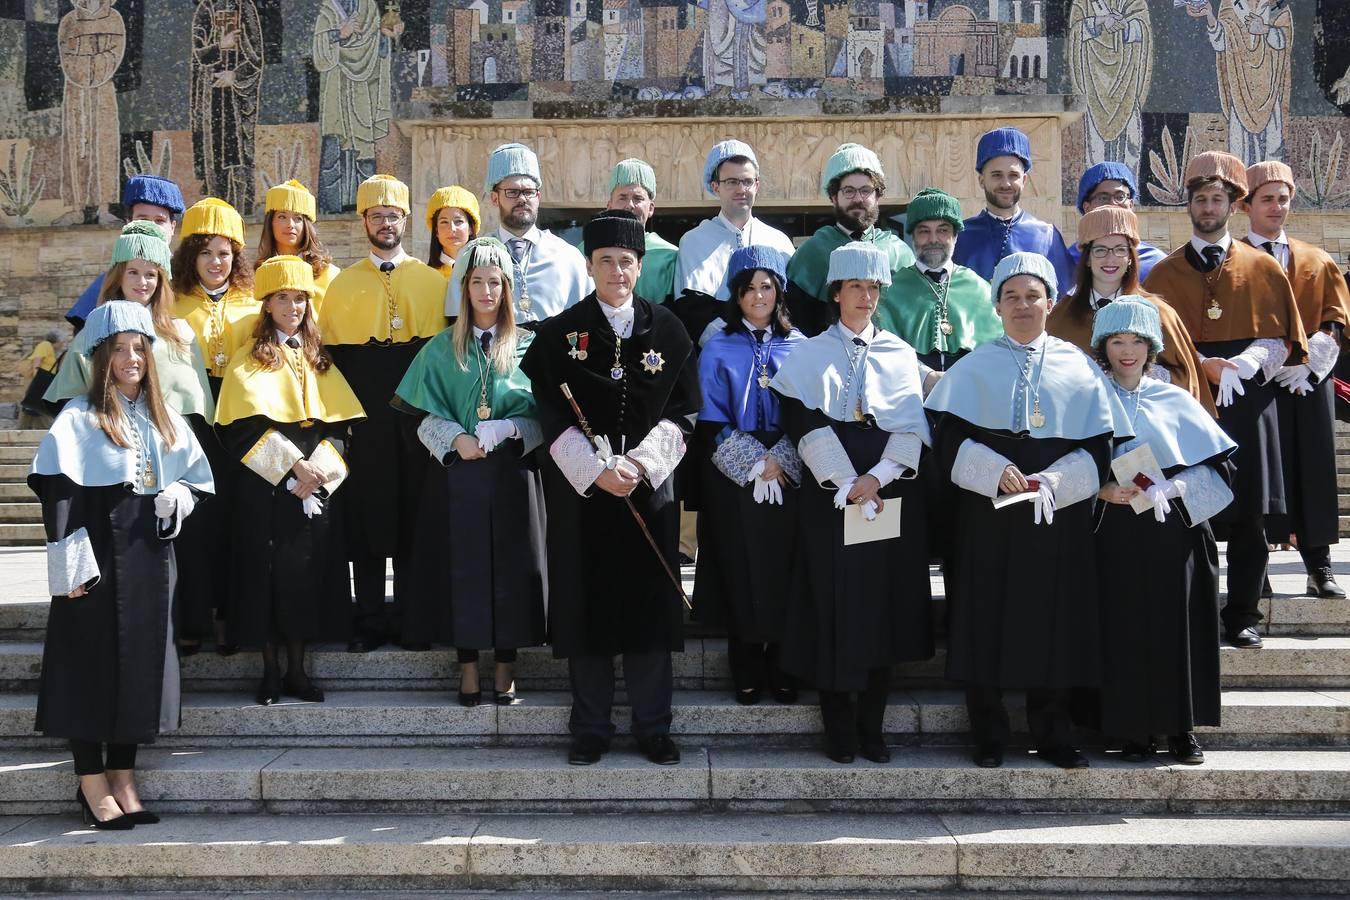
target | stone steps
[
  {"x": 432, "y": 718},
  {"x": 20, "y": 512},
  {"x": 743, "y": 852},
  {"x": 1299, "y": 662},
  {"x": 538, "y": 779},
  {"x": 13, "y": 455},
  {"x": 23, "y": 534}
]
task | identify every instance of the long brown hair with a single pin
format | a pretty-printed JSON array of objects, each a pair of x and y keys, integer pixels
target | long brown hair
[
  {"x": 779, "y": 319},
  {"x": 434, "y": 253},
  {"x": 1080, "y": 304},
  {"x": 160, "y": 305},
  {"x": 309, "y": 248},
  {"x": 108, "y": 408},
  {"x": 267, "y": 351},
  {"x": 185, "y": 278},
  {"x": 504, "y": 341}
]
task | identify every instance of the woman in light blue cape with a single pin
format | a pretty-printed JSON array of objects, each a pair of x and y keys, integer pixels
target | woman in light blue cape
[{"x": 1158, "y": 560}]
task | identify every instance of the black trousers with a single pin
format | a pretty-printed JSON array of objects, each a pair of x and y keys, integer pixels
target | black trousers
[
  {"x": 1315, "y": 558},
  {"x": 468, "y": 655},
  {"x": 372, "y": 615},
  {"x": 1248, "y": 554},
  {"x": 1048, "y": 716},
  {"x": 849, "y": 716},
  {"x": 89, "y": 759},
  {"x": 755, "y": 665},
  {"x": 650, "y": 684}
]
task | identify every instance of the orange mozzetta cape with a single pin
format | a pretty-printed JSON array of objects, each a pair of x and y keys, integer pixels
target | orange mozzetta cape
[
  {"x": 1071, "y": 320},
  {"x": 1319, "y": 287},
  {"x": 1250, "y": 288}
]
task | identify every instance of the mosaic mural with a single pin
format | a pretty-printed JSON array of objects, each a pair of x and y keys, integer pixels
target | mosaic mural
[{"x": 228, "y": 96}]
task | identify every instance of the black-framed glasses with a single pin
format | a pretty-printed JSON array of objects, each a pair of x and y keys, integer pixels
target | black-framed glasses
[
  {"x": 867, "y": 192},
  {"x": 1116, "y": 197},
  {"x": 1103, "y": 252},
  {"x": 743, "y": 183},
  {"x": 520, "y": 193},
  {"x": 386, "y": 218}
]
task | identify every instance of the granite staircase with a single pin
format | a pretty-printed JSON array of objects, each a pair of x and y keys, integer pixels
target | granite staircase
[{"x": 391, "y": 786}]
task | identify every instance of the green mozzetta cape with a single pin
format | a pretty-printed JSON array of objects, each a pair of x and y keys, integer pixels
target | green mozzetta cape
[
  {"x": 908, "y": 308},
  {"x": 435, "y": 383},
  {"x": 656, "y": 284},
  {"x": 811, "y": 263},
  {"x": 182, "y": 376}
]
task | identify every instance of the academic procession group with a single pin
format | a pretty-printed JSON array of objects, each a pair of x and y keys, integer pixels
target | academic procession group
[{"x": 516, "y": 423}]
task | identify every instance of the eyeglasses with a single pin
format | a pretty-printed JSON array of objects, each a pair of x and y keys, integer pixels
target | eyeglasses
[
  {"x": 742, "y": 183},
  {"x": 388, "y": 219},
  {"x": 1116, "y": 197},
  {"x": 1103, "y": 252},
  {"x": 520, "y": 193},
  {"x": 863, "y": 193}
]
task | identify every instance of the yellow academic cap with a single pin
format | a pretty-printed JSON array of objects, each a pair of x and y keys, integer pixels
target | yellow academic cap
[
  {"x": 212, "y": 215},
  {"x": 292, "y": 197},
  {"x": 382, "y": 190},
  {"x": 459, "y": 198},
  {"x": 283, "y": 273}
]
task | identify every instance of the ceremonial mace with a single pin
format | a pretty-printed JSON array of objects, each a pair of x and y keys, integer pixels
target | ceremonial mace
[{"x": 637, "y": 516}]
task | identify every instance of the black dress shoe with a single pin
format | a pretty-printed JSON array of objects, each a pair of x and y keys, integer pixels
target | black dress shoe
[
  {"x": 988, "y": 756},
  {"x": 748, "y": 696},
  {"x": 1064, "y": 757},
  {"x": 226, "y": 649},
  {"x": 1185, "y": 749},
  {"x": 586, "y": 750},
  {"x": 874, "y": 749},
  {"x": 469, "y": 699},
  {"x": 841, "y": 756},
  {"x": 1245, "y": 638},
  {"x": 269, "y": 691},
  {"x": 124, "y": 822},
  {"x": 785, "y": 695},
  {"x": 1322, "y": 583},
  {"x": 1138, "y": 752},
  {"x": 660, "y": 749},
  {"x": 504, "y": 698},
  {"x": 301, "y": 688},
  {"x": 364, "y": 643}
]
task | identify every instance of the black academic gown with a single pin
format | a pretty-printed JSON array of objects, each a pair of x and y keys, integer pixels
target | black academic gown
[
  {"x": 290, "y": 574},
  {"x": 868, "y": 606},
  {"x": 204, "y": 585},
  {"x": 608, "y": 593},
  {"x": 1021, "y": 600},
  {"x": 478, "y": 570},
  {"x": 1307, "y": 429},
  {"x": 103, "y": 660},
  {"x": 1159, "y": 588},
  {"x": 386, "y": 459}
]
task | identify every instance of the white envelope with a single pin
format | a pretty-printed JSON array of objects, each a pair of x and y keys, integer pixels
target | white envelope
[{"x": 857, "y": 530}]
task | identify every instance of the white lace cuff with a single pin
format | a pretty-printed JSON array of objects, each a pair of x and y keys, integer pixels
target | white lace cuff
[
  {"x": 787, "y": 457},
  {"x": 826, "y": 457},
  {"x": 1203, "y": 493},
  {"x": 1323, "y": 351},
  {"x": 272, "y": 456},
  {"x": 737, "y": 455},
  {"x": 1073, "y": 477},
  {"x": 1159, "y": 373},
  {"x": 438, "y": 436},
  {"x": 332, "y": 467},
  {"x": 530, "y": 432},
  {"x": 71, "y": 563},
  {"x": 1268, "y": 354},
  {"x": 659, "y": 452},
  {"x": 903, "y": 449},
  {"x": 577, "y": 460},
  {"x": 978, "y": 468}
]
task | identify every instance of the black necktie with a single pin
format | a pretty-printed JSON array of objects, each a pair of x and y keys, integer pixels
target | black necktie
[
  {"x": 1103, "y": 301},
  {"x": 860, "y": 342},
  {"x": 1269, "y": 247},
  {"x": 517, "y": 247},
  {"x": 759, "y": 335},
  {"x": 386, "y": 267},
  {"x": 293, "y": 342},
  {"x": 856, "y": 235},
  {"x": 486, "y": 340},
  {"x": 937, "y": 276},
  {"x": 1213, "y": 255}
]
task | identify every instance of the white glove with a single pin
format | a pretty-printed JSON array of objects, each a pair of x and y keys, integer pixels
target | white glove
[
  {"x": 869, "y": 510},
  {"x": 493, "y": 432},
  {"x": 761, "y": 490},
  {"x": 311, "y": 506},
  {"x": 755, "y": 471},
  {"x": 1289, "y": 375},
  {"x": 1246, "y": 366},
  {"x": 1230, "y": 383},
  {"x": 176, "y": 499},
  {"x": 1043, "y": 504},
  {"x": 1158, "y": 495},
  {"x": 773, "y": 492},
  {"x": 841, "y": 495}
]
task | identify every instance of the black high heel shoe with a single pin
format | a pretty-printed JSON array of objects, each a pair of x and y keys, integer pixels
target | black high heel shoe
[
  {"x": 142, "y": 817},
  {"x": 301, "y": 688},
  {"x": 470, "y": 699},
  {"x": 269, "y": 692},
  {"x": 124, "y": 822}
]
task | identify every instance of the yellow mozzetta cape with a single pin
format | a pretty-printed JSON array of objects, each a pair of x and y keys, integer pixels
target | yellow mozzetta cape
[
  {"x": 241, "y": 314},
  {"x": 356, "y": 304},
  {"x": 321, "y": 284},
  {"x": 250, "y": 389}
]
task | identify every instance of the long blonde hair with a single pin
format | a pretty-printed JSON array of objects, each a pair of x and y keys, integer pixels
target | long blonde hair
[
  {"x": 160, "y": 305},
  {"x": 503, "y": 357}
]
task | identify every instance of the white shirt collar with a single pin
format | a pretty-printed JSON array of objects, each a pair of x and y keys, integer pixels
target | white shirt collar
[
  {"x": 1098, "y": 297},
  {"x": 949, "y": 267},
  {"x": 1037, "y": 342},
  {"x": 1256, "y": 240},
  {"x": 1222, "y": 243},
  {"x": 283, "y": 337},
  {"x": 479, "y": 332},
  {"x": 398, "y": 259},
  {"x": 730, "y": 226},
  {"x": 218, "y": 292},
  {"x": 750, "y": 326},
  {"x": 620, "y": 318},
  {"x": 868, "y": 333},
  {"x": 533, "y": 235},
  {"x": 447, "y": 259}
]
